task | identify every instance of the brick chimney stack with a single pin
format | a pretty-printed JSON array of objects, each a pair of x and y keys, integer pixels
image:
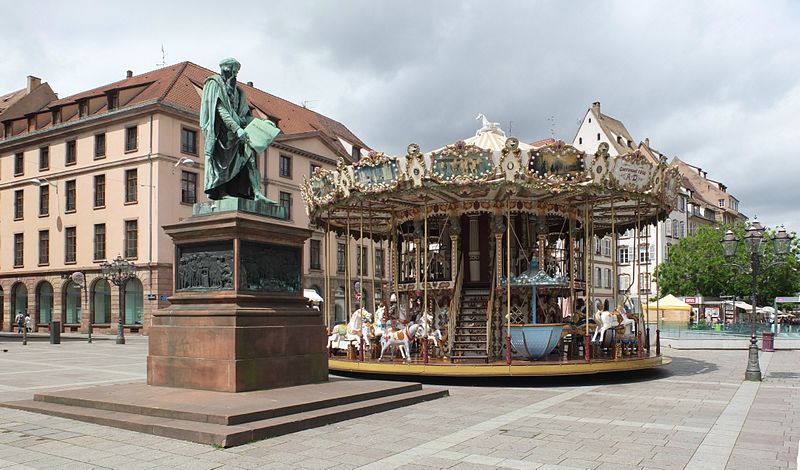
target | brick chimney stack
[
  {"x": 596, "y": 107},
  {"x": 33, "y": 83},
  {"x": 128, "y": 73}
]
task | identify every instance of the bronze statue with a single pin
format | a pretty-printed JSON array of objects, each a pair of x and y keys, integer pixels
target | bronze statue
[{"x": 233, "y": 137}]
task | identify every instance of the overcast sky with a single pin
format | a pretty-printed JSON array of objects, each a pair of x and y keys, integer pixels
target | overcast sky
[{"x": 715, "y": 83}]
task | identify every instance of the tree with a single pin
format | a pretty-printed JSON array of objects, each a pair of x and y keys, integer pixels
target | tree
[{"x": 696, "y": 265}]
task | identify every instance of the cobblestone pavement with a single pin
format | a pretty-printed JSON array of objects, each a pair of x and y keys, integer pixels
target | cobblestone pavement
[{"x": 697, "y": 413}]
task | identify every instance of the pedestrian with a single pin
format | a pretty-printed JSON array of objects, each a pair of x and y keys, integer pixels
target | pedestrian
[
  {"x": 28, "y": 322},
  {"x": 20, "y": 320}
]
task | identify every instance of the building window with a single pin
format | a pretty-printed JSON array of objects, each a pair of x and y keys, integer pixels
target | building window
[
  {"x": 379, "y": 263},
  {"x": 314, "y": 167},
  {"x": 624, "y": 283},
  {"x": 44, "y": 200},
  {"x": 668, "y": 227},
  {"x": 56, "y": 116},
  {"x": 285, "y": 201},
  {"x": 99, "y": 241},
  {"x": 7, "y": 129},
  {"x": 598, "y": 136},
  {"x": 313, "y": 257},
  {"x": 18, "y": 250},
  {"x": 607, "y": 247},
  {"x": 101, "y": 301},
  {"x": 131, "y": 186},
  {"x": 70, "y": 244},
  {"x": 580, "y": 140},
  {"x": 83, "y": 108},
  {"x": 340, "y": 257},
  {"x": 69, "y": 196},
  {"x": 131, "y": 138},
  {"x": 624, "y": 255},
  {"x": 361, "y": 253},
  {"x": 44, "y": 247},
  {"x": 644, "y": 283},
  {"x": 19, "y": 164},
  {"x": 675, "y": 232},
  {"x": 99, "y": 145},
  {"x": 99, "y": 191},
  {"x": 598, "y": 278},
  {"x": 188, "y": 141},
  {"x": 683, "y": 229},
  {"x": 131, "y": 238},
  {"x": 71, "y": 156},
  {"x": 44, "y": 158},
  {"x": 113, "y": 100},
  {"x": 643, "y": 253},
  {"x": 285, "y": 166},
  {"x": 722, "y": 203},
  {"x": 19, "y": 204},
  {"x": 607, "y": 278},
  {"x": 188, "y": 187}
]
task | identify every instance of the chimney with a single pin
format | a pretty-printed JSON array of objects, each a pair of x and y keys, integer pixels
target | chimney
[
  {"x": 33, "y": 83},
  {"x": 596, "y": 107},
  {"x": 647, "y": 142},
  {"x": 705, "y": 174},
  {"x": 128, "y": 73},
  {"x": 250, "y": 84}
]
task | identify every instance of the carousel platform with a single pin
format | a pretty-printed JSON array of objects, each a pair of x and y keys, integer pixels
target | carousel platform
[{"x": 439, "y": 367}]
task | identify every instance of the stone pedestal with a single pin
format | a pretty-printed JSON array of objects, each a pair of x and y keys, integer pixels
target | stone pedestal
[{"x": 238, "y": 320}]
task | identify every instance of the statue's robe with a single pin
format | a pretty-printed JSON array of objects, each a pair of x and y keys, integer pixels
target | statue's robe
[{"x": 230, "y": 168}]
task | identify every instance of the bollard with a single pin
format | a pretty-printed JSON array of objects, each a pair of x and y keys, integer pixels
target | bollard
[{"x": 55, "y": 332}]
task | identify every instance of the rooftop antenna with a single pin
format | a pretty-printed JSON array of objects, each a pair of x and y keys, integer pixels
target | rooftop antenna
[
  {"x": 163, "y": 57},
  {"x": 510, "y": 127},
  {"x": 305, "y": 103},
  {"x": 552, "y": 120}
]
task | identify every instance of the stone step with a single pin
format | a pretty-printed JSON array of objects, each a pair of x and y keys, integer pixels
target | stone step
[
  {"x": 228, "y": 435},
  {"x": 214, "y": 407}
]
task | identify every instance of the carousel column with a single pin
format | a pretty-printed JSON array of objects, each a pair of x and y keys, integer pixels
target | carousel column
[
  {"x": 474, "y": 249},
  {"x": 455, "y": 231}
]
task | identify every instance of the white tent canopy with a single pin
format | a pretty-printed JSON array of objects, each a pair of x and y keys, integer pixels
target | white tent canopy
[{"x": 312, "y": 295}]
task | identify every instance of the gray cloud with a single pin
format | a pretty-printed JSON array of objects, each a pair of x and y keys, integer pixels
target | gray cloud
[{"x": 715, "y": 83}]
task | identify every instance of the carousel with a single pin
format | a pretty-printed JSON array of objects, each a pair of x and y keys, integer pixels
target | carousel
[{"x": 489, "y": 247}]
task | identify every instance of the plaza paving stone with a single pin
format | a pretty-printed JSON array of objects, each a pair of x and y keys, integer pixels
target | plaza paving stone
[{"x": 697, "y": 413}]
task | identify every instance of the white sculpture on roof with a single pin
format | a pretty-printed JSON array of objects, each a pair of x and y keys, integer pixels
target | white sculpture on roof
[{"x": 488, "y": 126}]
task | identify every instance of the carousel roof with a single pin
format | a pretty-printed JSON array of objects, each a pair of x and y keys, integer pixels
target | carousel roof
[
  {"x": 491, "y": 172},
  {"x": 490, "y": 137}
]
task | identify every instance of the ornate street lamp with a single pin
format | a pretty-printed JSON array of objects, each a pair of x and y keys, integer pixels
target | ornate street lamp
[
  {"x": 755, "y": 243},
  {"x": 118, "y": 272}
]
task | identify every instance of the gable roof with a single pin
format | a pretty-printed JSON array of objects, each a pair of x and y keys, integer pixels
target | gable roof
[
  {"x": 181, "y": 85},
  {"x": 612, "y": 128}
]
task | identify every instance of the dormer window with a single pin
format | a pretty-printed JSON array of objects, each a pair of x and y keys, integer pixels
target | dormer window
[
  {"x": 56, "y": 116},
  {"x": 356, "y": 154},
  {"x": 83, "y": 108},
  {"x": 7, "y": 129},
  {"x": 113, "y": 100}
]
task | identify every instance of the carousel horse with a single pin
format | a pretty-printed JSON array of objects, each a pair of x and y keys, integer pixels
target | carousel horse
[
  {"x": 379, "y": 325},
  {"x": 400, "y": 339},
  {"x": 354, "y": 330},
  {"x": 607, "y": 320},
  {"x": 427, "y": 330}
]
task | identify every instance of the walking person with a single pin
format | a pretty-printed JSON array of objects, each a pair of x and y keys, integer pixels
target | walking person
[
  {"x": 20, "y": 321},
  {"x": 28, "y": 322}
]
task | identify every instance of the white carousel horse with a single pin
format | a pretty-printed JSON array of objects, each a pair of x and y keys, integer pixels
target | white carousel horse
[
  {"x": 354, "y": 330},
  {"x": 426, "y": 330},
  {"x": 606, "y": 320},
  {"x": 399, "y": 338},
  {"x": 379, "y": 325}
]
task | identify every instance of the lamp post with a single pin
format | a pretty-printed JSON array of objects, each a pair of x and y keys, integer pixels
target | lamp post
[
  {"x": 118, "y": 272},
  {"x": 755, "y": 243}
]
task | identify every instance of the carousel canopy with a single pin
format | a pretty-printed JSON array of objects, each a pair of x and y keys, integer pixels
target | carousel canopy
[{"x": 493, "y": 173}]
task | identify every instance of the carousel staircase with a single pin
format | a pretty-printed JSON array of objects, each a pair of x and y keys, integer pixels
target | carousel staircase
[{"x": 469, "y": 345}]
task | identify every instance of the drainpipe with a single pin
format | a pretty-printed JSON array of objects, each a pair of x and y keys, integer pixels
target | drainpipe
[{"x": 150, "y": 210}]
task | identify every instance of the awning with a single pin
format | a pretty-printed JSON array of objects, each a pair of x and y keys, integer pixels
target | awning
[
  {"x": 669, "y": 302},
  {"x": 312, "y": 295}
]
